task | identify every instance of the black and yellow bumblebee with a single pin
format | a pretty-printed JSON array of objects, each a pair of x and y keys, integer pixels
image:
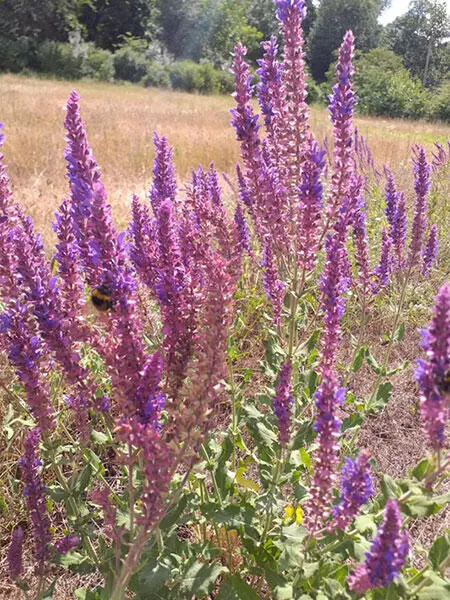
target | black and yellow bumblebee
[
  {"x": 102, "y": 298},
  {"x": 444, "y": 383}
]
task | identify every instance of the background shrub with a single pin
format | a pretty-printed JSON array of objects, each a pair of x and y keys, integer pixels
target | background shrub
[
  {"x": 440, "y": 103},
  {"x": 59, "y": 59},
  {"x": 189, "y": 77},
  {"x": 99, "y": 64},
  {"x": 386, "y": 88},
  {"x": 157, "y": 75},
  {"x": 14, "y": 54},
  {"x": 130, "y": 63}
]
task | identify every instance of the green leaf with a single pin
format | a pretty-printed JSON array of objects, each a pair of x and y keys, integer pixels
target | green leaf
[
  {"x": 389, "y": 487},
  {"x": 365, "y": 524},
  {"x": 236, "y": 588},
  {"x": 200, "y": 579},
  {"x": 439, "y": 589},
  {"x": 150, "y": 579},
  {"x": 382, "y": 396},
  {"x": 99, "y": 437},
  {"x": 221, "y": 474},
  {"x": 305, "y": 458},
  {"x": 359, "y": 359},
  {"x": 351, "y": 422},
  {"x": 420, "y": 470},
  {"x": 440, "y": 550},
  {"x": 399, "y": 333},
  {"x": 304, "y": 436},
  {"x": 373, "y": 364},
  {"x": 172, "y": 516}
]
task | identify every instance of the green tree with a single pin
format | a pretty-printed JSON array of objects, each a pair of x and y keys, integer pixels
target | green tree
[
  {"x": 385, "y": 87},
  {"x": 334, "y": 17},
  {"x": 38, "y": 20},
  {"x": 418, "y": 37},
  {"x": 196, "y": 29},
  {"x": 109, "y": 22}
]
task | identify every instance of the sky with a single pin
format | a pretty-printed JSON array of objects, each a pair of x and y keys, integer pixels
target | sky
[{"x": 398, "y": 7}]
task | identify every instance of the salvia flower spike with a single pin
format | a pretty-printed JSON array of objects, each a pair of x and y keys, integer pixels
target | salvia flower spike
[
  {"x": 15, "y": 550},
  {"x": 283, "y": 401},
  {"x": 35, "y": 497},
  {"x": 422, "y": 184},
  {"x": 433, "y": 371},
  {"x": 387, "y": 555}
]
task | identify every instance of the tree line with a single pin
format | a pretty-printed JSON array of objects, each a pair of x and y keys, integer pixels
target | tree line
[{"x": 187, "y": 43}]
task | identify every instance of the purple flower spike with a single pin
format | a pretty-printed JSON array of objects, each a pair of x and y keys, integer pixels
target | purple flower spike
[
  {"x": 342, "y": 104},
  {"x": 432, "y": 372},
  {"x": 67, "y": 543},
  {"x": 83, "y": 172},
  {"x": 143, "y": 249},
  {"x": 391, "y": 198},
  {"x": 241, "y": 227},
  {"x": 398, "y": 231},
  {"x": 387, "y": 555},
  {"x": 67, "y": 256},
  {"x": 309, "y": 206},
  {"x": 422, "y": 184},
  {"x": 283, "y": 401},
  {"x": 430, "y": 251},
  {"x": 27, "y": 353},
  {"x": 384, "y": 268},
  {"x": 328, "y": 396},
  {"x": 286, "y": 7},
  {"x": 295, "y": 110},
  {"x": 272, "y": 284},
  {"x": 269, "y": 84},
  {"x": 15, "y": 550},
  {"x": 164, "y": 183},
  {"x": 35, "y": 496},
  {"x": 356, "y": 489}
]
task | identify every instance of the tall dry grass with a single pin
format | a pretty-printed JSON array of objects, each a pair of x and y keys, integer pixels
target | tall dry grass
[{"x": 120, "y": 122}]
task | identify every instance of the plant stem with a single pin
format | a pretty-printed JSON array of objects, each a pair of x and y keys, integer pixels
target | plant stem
[{"x": 129, "y": 567}]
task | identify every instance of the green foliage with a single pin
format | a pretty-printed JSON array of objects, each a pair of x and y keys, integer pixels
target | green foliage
[
  {"x": 386, "y": 88},
  {"x": 108, "y": 22},
  {"x": 157, "y": 75},
  {"x": 418, "y": 37},
  {"x": 14, "y": 54},
  {"x": 38, "y": 20},
  {"x": 334, "y": 17},
  {"x": 189, "y": 77},
  {"x": 99, "y": 64},
  {"x": 58, "y": 58},
  {"x": 440, "y": 103},
  {"x": 130, "y": 63}
]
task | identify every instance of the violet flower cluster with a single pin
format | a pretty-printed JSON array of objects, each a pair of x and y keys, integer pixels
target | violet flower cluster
[
  {"x": 342, "y": 104},
  {"x": 387, "y": 555},
  {"x": 356, "y": 490},
  {"x": 283, "y": 401},
  {"x": 422, "y": 184},
  {"x": 433, "y": 371},
  {"x": 35, "y": 497},
  {"x": 15, "y": 551}
]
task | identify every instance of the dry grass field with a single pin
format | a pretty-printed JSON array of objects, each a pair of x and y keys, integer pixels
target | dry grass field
[{"x": 120, "y": 121}]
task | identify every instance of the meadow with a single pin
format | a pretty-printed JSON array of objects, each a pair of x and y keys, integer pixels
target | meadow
[
  {"x": 121, "y": 120},
  {"x": 242, "y": 418}
]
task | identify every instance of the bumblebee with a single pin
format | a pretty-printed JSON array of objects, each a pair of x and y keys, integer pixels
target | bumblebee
[
  {"x": 102, "y": 299},
  {"x": 444, "y": 383}
]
